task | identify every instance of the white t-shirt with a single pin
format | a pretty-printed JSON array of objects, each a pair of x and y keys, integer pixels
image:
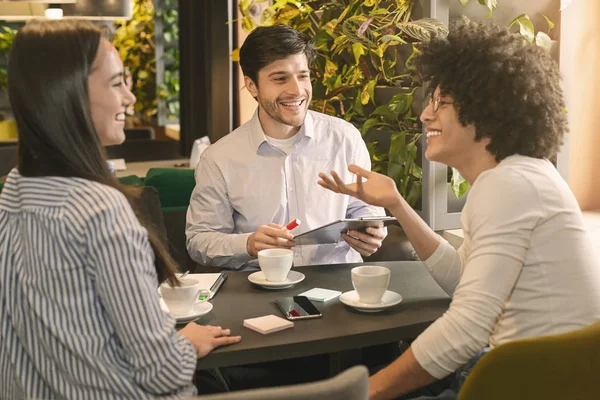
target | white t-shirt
[
  {"x": 526, "y": 268},
  {"x": 285, "y": 145}
]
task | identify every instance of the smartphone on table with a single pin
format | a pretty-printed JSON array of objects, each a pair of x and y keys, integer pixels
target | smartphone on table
[{"x": 298, "y": 307}]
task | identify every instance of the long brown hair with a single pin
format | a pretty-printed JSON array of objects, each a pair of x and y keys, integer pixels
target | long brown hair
[{"x": 48, "y": 71}]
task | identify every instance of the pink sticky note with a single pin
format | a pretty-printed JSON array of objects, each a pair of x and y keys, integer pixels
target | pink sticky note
[{"x": 267, "y": 324}]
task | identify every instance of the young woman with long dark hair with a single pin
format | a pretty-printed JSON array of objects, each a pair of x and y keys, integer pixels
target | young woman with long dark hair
[{"x": 79, "y": 310}]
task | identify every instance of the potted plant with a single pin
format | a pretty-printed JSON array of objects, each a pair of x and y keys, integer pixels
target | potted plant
[{"x": 364, "y": 73}]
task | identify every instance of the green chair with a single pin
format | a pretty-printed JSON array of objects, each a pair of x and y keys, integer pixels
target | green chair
[
  {"x": 175, "y": 186},
  {"x": 557, "y": 367}
]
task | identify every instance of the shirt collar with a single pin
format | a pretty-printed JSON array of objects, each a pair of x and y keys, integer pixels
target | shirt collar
[{"x": 258, "y": 137}]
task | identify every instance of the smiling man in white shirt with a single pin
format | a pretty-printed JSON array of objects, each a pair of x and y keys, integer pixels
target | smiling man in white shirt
[{"x": 255, "y": 180}]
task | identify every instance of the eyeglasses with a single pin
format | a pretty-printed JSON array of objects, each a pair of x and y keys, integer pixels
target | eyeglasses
[{"x": 437, "y": 102}]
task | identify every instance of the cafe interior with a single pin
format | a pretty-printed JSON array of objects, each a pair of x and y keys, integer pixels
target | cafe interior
[{"x": 182, "y": 62}]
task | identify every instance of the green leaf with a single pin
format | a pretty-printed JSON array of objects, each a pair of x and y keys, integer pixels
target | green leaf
[
  {"x": 398, "y": 149},
  {"x": 358, "y": 50},
  {"x": 385, "y": 112},
  {"x": 369, "y": 123},
  {"x": 392, "y": 38},
  {"x": 330, "y": 69},
  {"x": 525, "y": 26},
  {"x": 464, "y": 2},
  {"x": 543, "y": 40},
  {"x": 368, "y": 3},
  {"x": 371, "y": 90},
  {"x": 365, "y": 96},
  {"x": 414, "y": 195},
  {"x": 396, "y": 172},
  {"x": 400, "y": 103},
  {"x": 422, "y": 29},
  {"x": 322, "y": 40},
  {"x": 459, "y": 184},
  {"x": 550, "y": 23},
  {"x": 490, "y": 4}
]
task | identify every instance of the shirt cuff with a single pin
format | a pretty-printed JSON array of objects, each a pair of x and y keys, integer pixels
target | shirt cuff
[
  {"x": 239, "y": 247},
  {"x": 422, "y": 349},
  {"x": 438, "y": 254}
]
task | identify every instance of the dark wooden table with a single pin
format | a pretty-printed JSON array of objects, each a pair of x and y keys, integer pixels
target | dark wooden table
[{"x": 340, "y": 329}]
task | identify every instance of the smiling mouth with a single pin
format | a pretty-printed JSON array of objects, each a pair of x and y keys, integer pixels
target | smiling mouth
[
  {"x": 120, "y": 117},
  {"x": 433, "y": 133},
  {"x": 296, "y": 103}
]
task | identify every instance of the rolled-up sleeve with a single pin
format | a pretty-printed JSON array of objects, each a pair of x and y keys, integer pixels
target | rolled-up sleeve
[{"x": 500, "y": 226}]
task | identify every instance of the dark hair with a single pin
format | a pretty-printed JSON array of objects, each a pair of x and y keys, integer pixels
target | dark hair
[
  {"x": 267, "y": 44},
  {"x": 508, "y": 88},
  {"x": 48, "y": 69}
]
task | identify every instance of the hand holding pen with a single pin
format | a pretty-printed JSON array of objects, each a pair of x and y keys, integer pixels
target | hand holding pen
[{"x": 270, "y": 237}]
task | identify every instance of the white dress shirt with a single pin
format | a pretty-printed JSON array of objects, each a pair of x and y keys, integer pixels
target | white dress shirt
[
  {"x": 243, "y": 181},
  {"x": 526, "y": 267}
]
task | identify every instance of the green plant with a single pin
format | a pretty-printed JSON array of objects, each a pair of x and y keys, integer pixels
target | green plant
[
  {"x": 364, "y": 45},
  {"x": 7, "y": 36},
  {"x": 168, "y": 15},
  {"x": 134, "y": 39}
]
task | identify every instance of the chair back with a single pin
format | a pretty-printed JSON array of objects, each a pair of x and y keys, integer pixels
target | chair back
[
  {"x": 564, "y": 366},
  {"x": 175, "y": 186},
  {"x": 352, "y": 384}
]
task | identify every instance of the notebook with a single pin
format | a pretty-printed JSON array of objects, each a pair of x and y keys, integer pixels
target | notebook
[
  {"x": 267, "y": 324},
  {"x": 206, "y": 280}
]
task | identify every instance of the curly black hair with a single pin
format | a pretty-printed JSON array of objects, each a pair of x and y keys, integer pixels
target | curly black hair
[{"x": 508, "y": 88}]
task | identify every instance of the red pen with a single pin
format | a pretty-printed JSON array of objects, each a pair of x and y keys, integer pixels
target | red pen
[{"x": 292, "y": 224}]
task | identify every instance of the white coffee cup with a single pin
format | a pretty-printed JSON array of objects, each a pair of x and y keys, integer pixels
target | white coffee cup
[
  {"x": 275, "y": 263},
  {"x": 370, "y": 282},
  {"x": 181, "y": 299}
]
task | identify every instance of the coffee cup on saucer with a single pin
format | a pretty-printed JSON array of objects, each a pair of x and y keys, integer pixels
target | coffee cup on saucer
[
  {"x": 275, "y": 263},
  {"x": 370, "y": 282},
  {"x": 181, "y": 299}
]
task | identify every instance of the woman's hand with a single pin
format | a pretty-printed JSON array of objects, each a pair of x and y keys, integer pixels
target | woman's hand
[
  {"x": 377, "y": 190},
  {"x": 207, "y": 338}
]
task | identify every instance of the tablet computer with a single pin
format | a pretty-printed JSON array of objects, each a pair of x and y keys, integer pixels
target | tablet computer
[{"x": 331, "y": 233}]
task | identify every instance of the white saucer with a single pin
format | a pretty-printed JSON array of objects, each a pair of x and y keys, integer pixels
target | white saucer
[
  {"x": 199, "y": 309},
  {"x": 196, "y": 312},
  {"x": 388, "y": 300},
  {"x": 258, "y": 278}
]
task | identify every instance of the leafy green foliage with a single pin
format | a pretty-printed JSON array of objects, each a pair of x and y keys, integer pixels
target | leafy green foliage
[
  {"x": 134, "y": 39},
  {"x": 7, "y": 36},
  {"x": 167, "y": 11},
  {"x": 363, "y": 45}
]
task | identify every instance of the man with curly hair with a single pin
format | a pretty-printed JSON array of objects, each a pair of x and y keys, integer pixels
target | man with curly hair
[{"x": 527, "y": 266}]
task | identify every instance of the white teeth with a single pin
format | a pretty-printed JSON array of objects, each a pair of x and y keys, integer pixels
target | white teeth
[
  {"x": 120, "y": 117},
  {"x": 294, "y": 104},
  {"x": 433, "y": 133}
]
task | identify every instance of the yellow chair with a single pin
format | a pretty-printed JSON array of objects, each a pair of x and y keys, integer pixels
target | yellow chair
[
  {"x": 8, "y": 130},
  {"x": 557, "y": 367}
]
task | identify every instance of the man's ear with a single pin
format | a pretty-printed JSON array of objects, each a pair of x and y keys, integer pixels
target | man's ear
[{"x": 251, "y": 86}]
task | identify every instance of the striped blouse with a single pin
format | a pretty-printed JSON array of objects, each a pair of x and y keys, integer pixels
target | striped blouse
[{"x": 79, "y": 311}]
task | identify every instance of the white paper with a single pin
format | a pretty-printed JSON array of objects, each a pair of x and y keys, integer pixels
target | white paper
[{"x": 206, "y": 280}]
